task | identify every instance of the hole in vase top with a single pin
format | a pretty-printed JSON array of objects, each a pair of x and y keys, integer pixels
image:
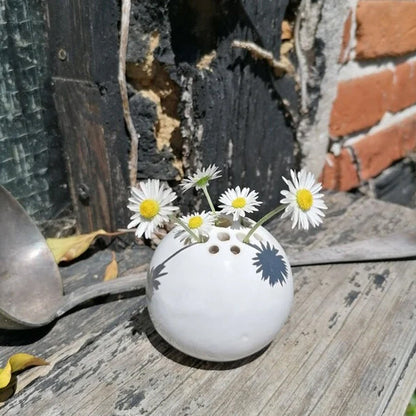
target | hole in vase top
[
  {"x": 223, "y": 222},
  {"x": 214, "y": 249},
  {"x": 235, "y": 249},
  {"x": 204, "y": 238},
  {"x": 223, "y": 236}
]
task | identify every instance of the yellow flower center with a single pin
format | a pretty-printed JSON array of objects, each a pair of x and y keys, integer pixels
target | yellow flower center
[
  {"x": 304, "y": 199},
  {"x": 195, "y": 222},
  {"x": 239, "y": 202},
  {"x": 149, "y": 208}
]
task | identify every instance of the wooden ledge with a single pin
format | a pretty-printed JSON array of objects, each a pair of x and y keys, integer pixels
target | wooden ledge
[{"x": 347, "y": 348}]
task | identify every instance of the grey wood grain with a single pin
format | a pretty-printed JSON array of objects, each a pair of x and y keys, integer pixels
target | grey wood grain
[
  {"x": 392, "y": 246},
  {"x": 347, "y": 348}
]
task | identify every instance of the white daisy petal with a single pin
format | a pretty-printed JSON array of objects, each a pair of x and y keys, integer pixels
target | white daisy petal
[
  {"x": 237, "y": 202},
  {"x": 316, "y": 188},
  {"x": 320, "y": 204},
  {"x": 201, "y": 178},
  {"x": 199, "y": 223},
  {"x": 142, "y": 227},
  {"x": 150, "y": 203},
  {"x": 294, "y": 179},
  {"x": 133, "y": 223},
  {"x": 303, "y": 200}
]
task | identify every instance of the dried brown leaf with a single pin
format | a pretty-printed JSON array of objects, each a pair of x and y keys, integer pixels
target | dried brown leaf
[{"x": 111, "y": 271}]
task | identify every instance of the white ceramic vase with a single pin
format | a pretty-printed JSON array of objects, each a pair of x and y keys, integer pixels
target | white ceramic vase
[{"x": 223, "y": 299}]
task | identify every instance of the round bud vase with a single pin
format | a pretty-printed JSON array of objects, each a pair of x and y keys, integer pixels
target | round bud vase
[{"x": 223, "y": 299}]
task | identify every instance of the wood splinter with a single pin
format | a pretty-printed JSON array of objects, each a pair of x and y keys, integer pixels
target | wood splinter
[
  {"x": 280, "y": 67},
  {"x": 134, "y": 136}
]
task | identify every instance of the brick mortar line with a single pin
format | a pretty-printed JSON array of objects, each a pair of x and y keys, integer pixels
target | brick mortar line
[
  {"x": 350, "y": 47},
  {"x": 357, "y": 69},
  {"x": 355, "y": 161},
  {"x": 388, "y": 120}
]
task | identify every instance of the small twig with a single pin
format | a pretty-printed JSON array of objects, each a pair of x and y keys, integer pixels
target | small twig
[
  {"x": 125, "y": 231},
  {"x": 279, "y": 67},
  {"x": 134, "y": 137}
]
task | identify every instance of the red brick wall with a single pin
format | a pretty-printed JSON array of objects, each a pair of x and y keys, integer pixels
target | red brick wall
[{"x": 372, "y": 122}]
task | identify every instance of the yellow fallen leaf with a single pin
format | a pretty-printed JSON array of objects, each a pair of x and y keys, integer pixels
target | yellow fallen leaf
[
  {"x": 18, "y": 362},
  {"x": 5, "y": 375},
  {"x": 69, "y": 248},
  {"x": 21, "y": 361},
  {"x": 111, "y": 271}
]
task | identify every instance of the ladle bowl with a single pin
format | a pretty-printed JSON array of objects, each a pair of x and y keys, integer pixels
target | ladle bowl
[{"x": 31, "y": 289}]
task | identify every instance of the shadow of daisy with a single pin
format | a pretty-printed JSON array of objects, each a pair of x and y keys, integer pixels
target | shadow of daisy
[{"x": 271, "y": 264}]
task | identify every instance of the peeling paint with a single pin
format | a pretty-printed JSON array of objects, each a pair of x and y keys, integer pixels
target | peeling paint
[
  {"x": 350, "y": 298},
  {"x": 333, "y": 320}
]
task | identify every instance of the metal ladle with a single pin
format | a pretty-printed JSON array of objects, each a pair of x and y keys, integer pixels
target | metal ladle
[{"x": 31, "y": 290}]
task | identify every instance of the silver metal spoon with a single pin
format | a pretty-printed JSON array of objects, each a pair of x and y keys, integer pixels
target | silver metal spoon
[{"x": 31, "y": 290}]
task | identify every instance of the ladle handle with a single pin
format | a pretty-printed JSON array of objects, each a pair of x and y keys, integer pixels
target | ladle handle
[{"x": 123, "y": 284}]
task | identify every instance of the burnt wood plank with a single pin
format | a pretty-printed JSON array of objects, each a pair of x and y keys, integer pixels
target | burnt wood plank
[
  {"x": 230, "y": 106},
  {"x": 238, "y": 117}
]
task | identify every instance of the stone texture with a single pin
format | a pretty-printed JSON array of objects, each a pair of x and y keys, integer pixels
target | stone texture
[
  {"x": 360, "y": 103},
  {"x": 385, "y": 28},
  {"x": 378, "y": 151},
  {"x": 397, "y": 183},
  {"x": 363, "y": 101},
  {"x": 340, "y": 172},
  {"x": 321, "y": 78},
  {"x": 404, "y": 86},
  {"x": 374, "y": 153}
]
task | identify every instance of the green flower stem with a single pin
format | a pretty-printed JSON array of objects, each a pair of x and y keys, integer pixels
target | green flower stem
[
  {"x": 182, "y": 224},
  {"x": 260, "y": 222},
  {"x": 211, "y": 205}
]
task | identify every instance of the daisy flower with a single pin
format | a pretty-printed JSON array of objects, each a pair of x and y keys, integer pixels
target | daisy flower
[
  {"x": 201, "y": 178},
  {"x": 303, "y": 200},
  {"x": 198, "y": 223},
  {"x": 151, "y": 206},
  {"x": 239, "y": 201}
]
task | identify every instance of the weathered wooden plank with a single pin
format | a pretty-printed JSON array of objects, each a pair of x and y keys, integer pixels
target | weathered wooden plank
[
  {"x": 78, "y": 324},
  {"x": 83, "y": 42},
  {"x": 347, "y": 348}
]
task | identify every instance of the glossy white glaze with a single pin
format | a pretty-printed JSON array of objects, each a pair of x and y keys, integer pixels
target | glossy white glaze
[{"x": 217, "y": 301}]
